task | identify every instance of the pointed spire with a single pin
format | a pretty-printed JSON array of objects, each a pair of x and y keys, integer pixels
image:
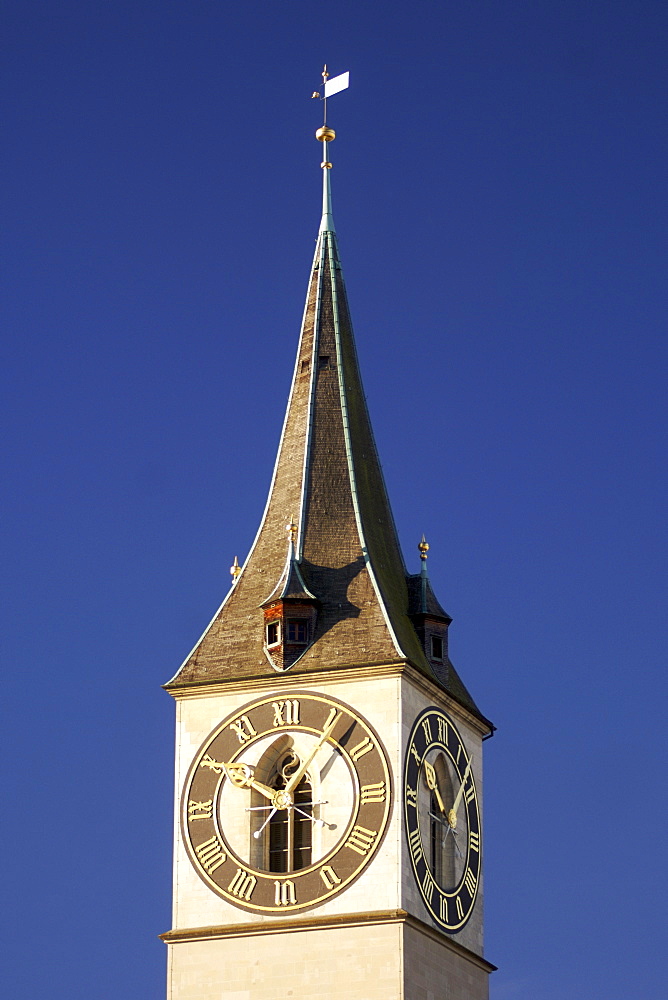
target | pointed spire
[
  {"x": 423, "y": 549},
  {"x": 344, "y": 563},
  {"x": 423, "y": 601}
]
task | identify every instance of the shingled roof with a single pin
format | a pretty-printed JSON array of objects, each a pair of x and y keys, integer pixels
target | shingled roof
[{"x": 347, "y": 552}]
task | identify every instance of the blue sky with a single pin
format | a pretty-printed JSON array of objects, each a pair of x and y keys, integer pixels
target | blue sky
[{"x": 500, "y": 198}]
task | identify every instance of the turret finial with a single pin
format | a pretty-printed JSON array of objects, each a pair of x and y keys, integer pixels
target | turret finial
[
  {"x": 423, "y": 548},
  {"x": 326, "y": 134},
  {"x": 235, "y": 570}
]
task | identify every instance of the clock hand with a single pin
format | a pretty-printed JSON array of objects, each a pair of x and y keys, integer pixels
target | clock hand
[
  {"x": 242, "y": 776},
  {"x": 272, "y": 813},
  {"x": 301, "y": 771},
  {"x": 432, "y": 784},
  {"x": 315, "y": 820},
  {"x": 452, "y": 815}
]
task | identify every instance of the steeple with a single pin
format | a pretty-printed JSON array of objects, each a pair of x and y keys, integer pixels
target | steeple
[{"x": 344, "y": 554}]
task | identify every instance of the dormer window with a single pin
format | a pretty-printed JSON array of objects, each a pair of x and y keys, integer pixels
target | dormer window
[
  {"x": 297, "y": 630},
  {"x": 436, "y": 647},
  {"x": 273, "y": 633},
  {"x": 323, "y": 361},
  {"x": 290, "y": 614}
]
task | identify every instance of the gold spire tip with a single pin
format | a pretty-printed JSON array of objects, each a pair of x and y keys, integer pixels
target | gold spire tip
[
  {"x": 423, "y": 548},
  {"x": 235, "y": 569}
]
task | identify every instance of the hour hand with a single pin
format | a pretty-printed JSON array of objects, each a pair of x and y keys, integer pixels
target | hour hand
[
  {"x": 243, "y": 776},
  {"x": 432, "y": 785}
]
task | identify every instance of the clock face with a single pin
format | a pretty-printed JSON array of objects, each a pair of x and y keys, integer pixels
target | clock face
[
  {"x": 286, "y": 802},
  {"x": 442, "y": 819}
]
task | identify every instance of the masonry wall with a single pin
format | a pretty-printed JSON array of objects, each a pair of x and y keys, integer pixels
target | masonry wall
[
  {"x": 355, "y": 963},
  {"x": 391, "y": 960},
  {"x": 434, "y": 971}
]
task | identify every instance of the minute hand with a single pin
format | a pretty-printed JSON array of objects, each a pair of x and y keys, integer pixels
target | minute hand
[
  {"x": 300, "y": 772},
  {"x": 452, "y": 815}
]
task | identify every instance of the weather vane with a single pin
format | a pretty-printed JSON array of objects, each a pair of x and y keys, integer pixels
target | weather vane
[{"x": 329, "y": 88}]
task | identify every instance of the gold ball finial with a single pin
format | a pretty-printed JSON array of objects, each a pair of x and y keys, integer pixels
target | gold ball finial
[
  {"x": 423, "y": 548},
  {"x": 291, "y": 528},
  {"x": 325, "y": 134},
  {"x": 235, "y": 570}
]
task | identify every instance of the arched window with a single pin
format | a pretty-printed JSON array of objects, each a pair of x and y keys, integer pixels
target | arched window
[
  {"x": 290, "y": 829},
  {"x": 442, "y": 841}
]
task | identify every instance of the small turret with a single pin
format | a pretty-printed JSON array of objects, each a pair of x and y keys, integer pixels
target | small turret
[
  {"x": 290, "y": 613},
  {"x": 429, "y": 618}
]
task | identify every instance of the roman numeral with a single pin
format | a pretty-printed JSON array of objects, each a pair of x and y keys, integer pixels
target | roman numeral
[
  {"x": 286, "y": 713},
  {"x": 469, "y": 793},
  {"x": 470, "y": 882},
  {"x": 242, "y": 884},
  {"x": 285, "y": 893},
  {"x": 415, "y": 845},
  {"x": 364, "y": 747},
  {"x": 444, "y": 909},
  {"x": 212, "y": 764},
  {"x": 474, "y": 841},
  {"x": 428, "y": 886},
  {"x": 373, "y": 793},
  {"x": 199, "y": 810},
  {"x": 244, "y": 729},
  {"x": 361, "y": 840},
  {"x": 211, "y": 854},
  {"x": 460, "y": 908},
  {"x": 442, "y": 730},
  {"x": 329, "y": 876},
  {"x": 411, "y": 796},
  {"x": 415, "y": 754},
  {"x": 330, "y": 718},
  {"x": 426, "y": 725}
]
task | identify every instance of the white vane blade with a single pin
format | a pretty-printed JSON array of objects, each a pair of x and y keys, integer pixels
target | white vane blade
[{"x": 336, "y": 84}]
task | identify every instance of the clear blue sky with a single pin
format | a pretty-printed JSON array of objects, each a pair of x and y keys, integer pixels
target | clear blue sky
[{"x": 500, "y": 197}]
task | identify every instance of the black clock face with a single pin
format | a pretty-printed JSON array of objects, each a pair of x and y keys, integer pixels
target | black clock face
[
  {"x": 286, "y": 802},
  {"x": 442, "y": 819}
]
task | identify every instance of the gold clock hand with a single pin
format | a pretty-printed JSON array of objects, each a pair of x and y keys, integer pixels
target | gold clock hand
[
  {"x": 242, "y": 776},
  {"x": 432, "y": 785},
  {"x": 301, "y": 771},
  {"x": 452, "y": 815}
]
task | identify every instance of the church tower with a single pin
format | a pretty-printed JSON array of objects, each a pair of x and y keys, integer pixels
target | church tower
[{"x": 328, "y": 815}]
